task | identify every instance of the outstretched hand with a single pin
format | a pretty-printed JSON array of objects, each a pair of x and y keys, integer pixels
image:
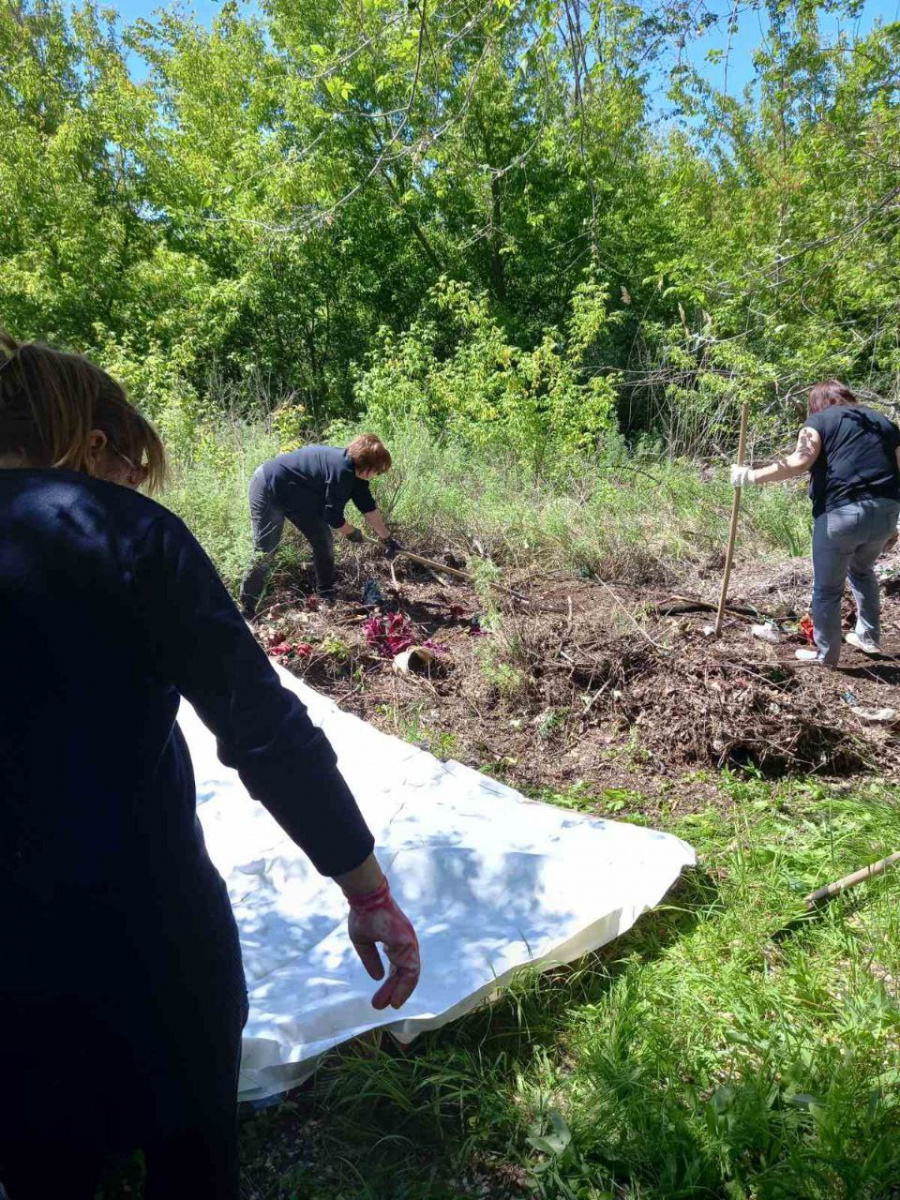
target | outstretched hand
[
  {"x": 376, "y": 918},
  {"x": 742, "y": 476}
]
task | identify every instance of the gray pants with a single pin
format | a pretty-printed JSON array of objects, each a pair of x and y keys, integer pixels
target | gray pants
[
  {"x": 267, "y": 518},
  {"x": 846, "y": 543}
]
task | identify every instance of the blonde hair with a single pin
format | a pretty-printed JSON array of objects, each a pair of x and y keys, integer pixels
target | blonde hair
[{"x": 50, "y": 402}]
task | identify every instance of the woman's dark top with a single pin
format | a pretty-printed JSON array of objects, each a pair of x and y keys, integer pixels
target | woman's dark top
[
  {"x": 110, "y": 612},
  {"x": 858, "y": 458},
  {"x": 320, "y": 480}
]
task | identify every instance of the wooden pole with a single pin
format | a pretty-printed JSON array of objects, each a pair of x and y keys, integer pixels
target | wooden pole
[
  {"x": 849, "y": 881},
  {"x": 732, "y": 534},
  {"x": 435, "y": 566},
  {"x": 427, "y": 562}
]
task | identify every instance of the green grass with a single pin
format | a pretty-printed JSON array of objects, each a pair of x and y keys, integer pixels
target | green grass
[
  {"x": 730, "y": 1046},
  {"x": 617, "y": 513},
  {"x": 416, "y": 724},
  {"x": 211, "y": 472},
  {"x": 621, "y": 514}
]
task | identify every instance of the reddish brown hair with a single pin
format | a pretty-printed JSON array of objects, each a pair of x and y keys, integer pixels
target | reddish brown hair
[
  {"x": 51, "y": 401},
  {"x": 824, "y": 395},
  {"x": 368, "y": 453}
]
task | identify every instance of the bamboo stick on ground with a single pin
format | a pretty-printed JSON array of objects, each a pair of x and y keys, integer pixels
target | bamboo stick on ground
[{"x": 841, "y": 885}]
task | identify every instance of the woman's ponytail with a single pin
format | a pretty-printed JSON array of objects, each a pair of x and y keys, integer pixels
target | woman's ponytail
[{"x": 50, "y": 402}]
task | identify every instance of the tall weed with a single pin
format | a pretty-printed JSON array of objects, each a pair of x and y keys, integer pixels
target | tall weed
[{"x": 616, "y": 513}]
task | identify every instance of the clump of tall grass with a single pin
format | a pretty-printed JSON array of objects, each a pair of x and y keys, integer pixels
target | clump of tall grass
[
  {"x": 612, "y": 512},
  {"x": 620, "y": 513},
  {"x": 211, "y": 469}
]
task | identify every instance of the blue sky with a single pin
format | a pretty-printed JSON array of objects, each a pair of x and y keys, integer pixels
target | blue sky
[
  {"x": 751, "y": 32},
  {"x": 129, "y": 10}
]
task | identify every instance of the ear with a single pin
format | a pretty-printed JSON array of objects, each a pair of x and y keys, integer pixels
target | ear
[{"x": 97, "y": 440}]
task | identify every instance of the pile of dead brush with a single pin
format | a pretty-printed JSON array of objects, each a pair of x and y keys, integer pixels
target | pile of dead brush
[
  {"x": 718, "y": 709},
  {"x": 704, "y": 705},
  {"x": 598, "y": 670}
]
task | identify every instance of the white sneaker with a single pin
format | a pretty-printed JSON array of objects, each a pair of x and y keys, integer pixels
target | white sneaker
[
  {"x": 809, "y": 656},
  {"x": 866, "y": 645}
]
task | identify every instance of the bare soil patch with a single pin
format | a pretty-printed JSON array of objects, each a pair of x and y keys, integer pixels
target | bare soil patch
[{"x": 554, "y": 681}]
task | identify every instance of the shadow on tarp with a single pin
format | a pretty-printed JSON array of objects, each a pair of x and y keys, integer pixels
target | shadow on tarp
[
  {"x": 556, "y": 988},
  {"x": 493, "y": 883}
]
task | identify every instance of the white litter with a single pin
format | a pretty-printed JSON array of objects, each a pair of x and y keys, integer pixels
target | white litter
[
  {"x": 881, "y": 716},
  {"x": 491, "y": 881},
  {"x": 766, "y": 633},
  {"x": 415, "y": 656}
]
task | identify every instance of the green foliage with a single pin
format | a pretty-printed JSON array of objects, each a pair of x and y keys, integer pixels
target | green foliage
[
  {"x": 730, "y": 1045},
  {"x": 208, "y": 489},
  {"x": 456, "y": 374},
  {"x": 417, "y": 725},
  {"x": 470, "y": 219},
  {"x": 509, "y": 680},
  {"x": 290, "y": 423}
]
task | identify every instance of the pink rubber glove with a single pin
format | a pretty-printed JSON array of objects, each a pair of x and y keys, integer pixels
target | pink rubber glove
[{"x": 376, "y": 918}]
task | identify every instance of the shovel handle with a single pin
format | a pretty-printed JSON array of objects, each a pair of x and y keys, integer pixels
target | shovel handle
[
  {"x": 427, "y": 562},
  {"x": 732, "y": 533}
]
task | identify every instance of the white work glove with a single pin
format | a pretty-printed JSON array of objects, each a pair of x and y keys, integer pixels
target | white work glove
[{"x": 741, "y": 476}]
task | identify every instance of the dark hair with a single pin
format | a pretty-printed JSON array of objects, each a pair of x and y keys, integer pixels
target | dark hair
[
  {"x": 367, "y": 453},
  {"x": 50, "y": 402},
  {"x": 824, "y": 395}
]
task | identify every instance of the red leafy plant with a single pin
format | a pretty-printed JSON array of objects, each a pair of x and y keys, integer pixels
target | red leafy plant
[
  {"x": 390, "y": 634},
  {"x": 393, "y": 633},
  {"x": 284, "y": 651}
]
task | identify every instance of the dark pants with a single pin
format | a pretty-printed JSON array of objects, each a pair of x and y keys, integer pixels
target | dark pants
[
  {"x": 267, "y": 518},
  {"x": 123, "y": 1048}
]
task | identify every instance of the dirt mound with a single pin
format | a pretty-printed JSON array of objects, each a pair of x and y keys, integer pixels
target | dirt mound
[{"x": 551, "y": 680}]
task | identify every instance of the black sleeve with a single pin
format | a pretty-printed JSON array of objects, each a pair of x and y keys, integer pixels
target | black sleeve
[
  {"x": 262, "y": 729},
  {"x": 362, "y": 496}
]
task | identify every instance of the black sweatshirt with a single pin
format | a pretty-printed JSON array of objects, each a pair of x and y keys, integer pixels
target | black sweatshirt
[
  {"x": 110, "y": 611},
  {"x": 318, "y": 479}
]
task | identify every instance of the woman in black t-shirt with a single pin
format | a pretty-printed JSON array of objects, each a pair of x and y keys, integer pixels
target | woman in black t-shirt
[
  {"x": 122, "y": 995},
  {"x": 853, "y": 456}
]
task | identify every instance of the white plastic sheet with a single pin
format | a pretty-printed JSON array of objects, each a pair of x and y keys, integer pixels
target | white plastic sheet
[{"x": 491, "y": 881}]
